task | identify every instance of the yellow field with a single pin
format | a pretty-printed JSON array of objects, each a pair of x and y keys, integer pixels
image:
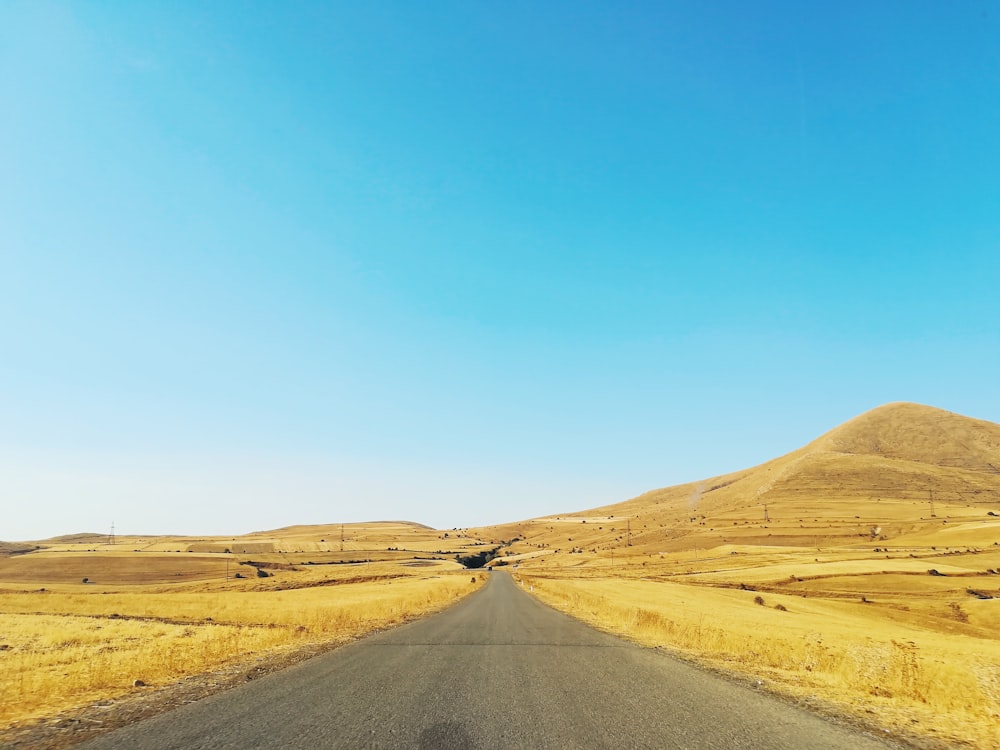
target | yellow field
[
  {"x": 157, "y": 617},
  {"x": 917, "y": 674}
]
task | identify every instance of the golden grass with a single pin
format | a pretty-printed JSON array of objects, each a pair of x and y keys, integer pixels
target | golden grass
[
  {"x": 70, "y": 644},
  {"x": 56, "y": 662},
  {"x": 938, "y": 676}
]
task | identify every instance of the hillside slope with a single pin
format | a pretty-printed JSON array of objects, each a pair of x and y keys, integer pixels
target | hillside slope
[{"x": 889, "y": 472}]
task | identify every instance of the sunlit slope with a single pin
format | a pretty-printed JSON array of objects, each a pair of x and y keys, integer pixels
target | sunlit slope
[{"x": 899, "y": 471}]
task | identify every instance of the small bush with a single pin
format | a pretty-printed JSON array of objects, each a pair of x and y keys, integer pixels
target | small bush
[
  {"x": 759, "y": 600},
  {"x": 781, "y": 607}
]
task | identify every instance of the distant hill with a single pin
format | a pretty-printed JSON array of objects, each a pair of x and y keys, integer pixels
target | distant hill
[
  {"x": 81, "y": 538},
  {"x": 896, "y": 466},
  {"x": 336, "y": 539},
  {"x": 16, "y": 548}
]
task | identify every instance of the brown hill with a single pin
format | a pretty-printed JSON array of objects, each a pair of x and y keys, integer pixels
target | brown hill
[
  {"x": 891, "y": 472},
  {"x": 82, "y": 538},
  {"x": 922, "y": 434},
  {"x": 901, "y": 450}
]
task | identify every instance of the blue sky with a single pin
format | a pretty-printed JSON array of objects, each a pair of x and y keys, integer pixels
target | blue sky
[{"x": 464, "y": 263}]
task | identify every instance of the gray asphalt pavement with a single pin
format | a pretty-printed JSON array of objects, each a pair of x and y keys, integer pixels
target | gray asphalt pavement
[{"x": 498, "y": 670}]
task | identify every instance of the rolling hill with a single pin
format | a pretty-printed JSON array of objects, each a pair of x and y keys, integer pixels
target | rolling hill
[
  {"x": 897, "y": 472},
  {"x": 133, "y": 559}
]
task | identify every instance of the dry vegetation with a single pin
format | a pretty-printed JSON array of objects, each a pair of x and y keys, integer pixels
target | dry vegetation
[
  {"x": 158, "y": 616},
  {"x": 861, "y": 572}
]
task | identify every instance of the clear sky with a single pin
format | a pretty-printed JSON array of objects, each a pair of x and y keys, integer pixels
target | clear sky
[{"x": 471, "y": 262}]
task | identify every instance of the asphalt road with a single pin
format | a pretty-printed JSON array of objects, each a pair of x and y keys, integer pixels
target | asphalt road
[{"x": 498, "y": 670}]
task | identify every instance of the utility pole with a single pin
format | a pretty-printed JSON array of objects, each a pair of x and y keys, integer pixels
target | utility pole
[
  {"x": 341, "y": 537},
  {"x": 628, "y": 536},
  {"x": 767, "y": 518},
  {"x": 931, "y": 493},
  {"x": 111, "y": 536}
]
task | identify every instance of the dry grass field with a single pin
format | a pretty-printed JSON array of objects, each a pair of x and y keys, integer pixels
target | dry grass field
[
  {"x": 157, "y": 610},
  {"x": 860, "y": 573}
]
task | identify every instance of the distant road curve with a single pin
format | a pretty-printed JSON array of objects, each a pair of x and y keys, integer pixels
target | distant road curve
[{"x": 498, "y": 670}]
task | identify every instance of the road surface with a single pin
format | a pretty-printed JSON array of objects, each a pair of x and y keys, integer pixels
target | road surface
[{"x": 498, "y": 670}]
